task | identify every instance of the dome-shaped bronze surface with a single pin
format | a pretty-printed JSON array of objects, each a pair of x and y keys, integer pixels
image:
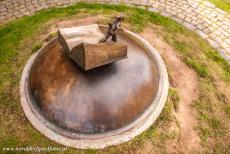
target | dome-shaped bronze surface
[{"x": 95, "y": 101}]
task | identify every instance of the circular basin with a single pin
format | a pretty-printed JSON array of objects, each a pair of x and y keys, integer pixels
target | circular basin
[{"x": 104, "y": 106}]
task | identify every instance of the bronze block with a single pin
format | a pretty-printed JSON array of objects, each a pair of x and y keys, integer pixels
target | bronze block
[
  {"x": 90, "y": 56},
  {"x": 71, "y": 37},
  {"x": 81, "y": 44}
]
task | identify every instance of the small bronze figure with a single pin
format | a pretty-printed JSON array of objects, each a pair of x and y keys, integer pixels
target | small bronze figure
[{"x": 113, "y": 28}]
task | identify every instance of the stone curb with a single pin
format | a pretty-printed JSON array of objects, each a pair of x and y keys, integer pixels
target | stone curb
[{"x": 138, "y": 126}]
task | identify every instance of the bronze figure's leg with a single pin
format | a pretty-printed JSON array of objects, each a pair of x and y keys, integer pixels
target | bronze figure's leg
[
  {"x": 106, "y": 37},
  {"x": 114, "y": 38}
]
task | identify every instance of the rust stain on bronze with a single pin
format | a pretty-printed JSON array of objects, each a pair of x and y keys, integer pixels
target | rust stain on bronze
[{"x": 98, "y": 100}]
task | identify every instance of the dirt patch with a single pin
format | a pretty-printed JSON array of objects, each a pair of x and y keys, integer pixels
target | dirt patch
[
  {"x": 76, "y": 22},
  {"x": 148, "y": 147},
  {"x": 184, "y": 80}
]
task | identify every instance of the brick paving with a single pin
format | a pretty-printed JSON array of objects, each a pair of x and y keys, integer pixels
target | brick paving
[{"x": 202, "y": 17}]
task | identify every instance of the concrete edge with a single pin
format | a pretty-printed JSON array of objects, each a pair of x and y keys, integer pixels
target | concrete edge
[{"x": 141, "y": 124}]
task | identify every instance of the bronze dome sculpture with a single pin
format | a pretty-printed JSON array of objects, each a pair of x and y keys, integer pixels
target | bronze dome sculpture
[{"x": 104, "y": 106}]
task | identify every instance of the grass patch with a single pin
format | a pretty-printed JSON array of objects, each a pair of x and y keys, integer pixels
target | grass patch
[
  {"x": 36, "y": 47},
  {"x": 220, "y": 60},
  {"x": 199, "y": 68},
  {"x": 223, "y": 4},
  {"x": 174, "y": 97},
  {"x": 227, "y": 110}
]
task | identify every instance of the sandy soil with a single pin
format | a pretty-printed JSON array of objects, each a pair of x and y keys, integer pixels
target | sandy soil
[{"x": 184, "y": 80}]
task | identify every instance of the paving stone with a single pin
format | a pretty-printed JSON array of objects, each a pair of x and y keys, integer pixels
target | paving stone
[
  {"x": 9, "y": 15},
  {"x": 189, "y": 26},
  {"x": 177, "y": 19},
  {"x": 211, "y": 28},
  {"x": 153, "y": 9},
  {"x": 34, "y": 2},
  {"x": 227, "y": 51},
  {"x": 4, "y": 13},
  {"x": 206, "y": 31},
  {"x": 30, "y": 7},
  {"x": 2, "y": 18},
  {"x": 26, "y": 12},
  {"x": 181, "y": 15},
  {"x": 12, "y": 18},
  {"x": 3, "y": 9},
  {"x": 203, "y": 35},
  {"x": 224, "y": 45},
  {"x": 220, "y": 11},
  {"x": 200, "y": 27},
  {"x": 225, "y": 27},
  {"x": 224, "y": 54},
  {"x": 217, "y": 32},
  {"x": 227, "y": 41},
  {"x": 189, "y": 15},
  {"x": 187, "y": 19},
  {"x": 209, "y": 4},
  {"x": 205, "y": 24},
  {"x": 144, "y": 2},
  {"x": 218, "y": 39},
  {"x": 213, "y": 44},
  {"x": 194, "y": 22},
  {"x": 198, "y": 10},
  {"x": 215, "y": 26},
  {"x": 214, "y": 19},
  {"x": 173, "y": 13},
  {"x": 222, "y": 36},
  {"x": 168, "y": 10},
  {"x": 209, "y": 22},
  {"x": 165, "y": 14}
]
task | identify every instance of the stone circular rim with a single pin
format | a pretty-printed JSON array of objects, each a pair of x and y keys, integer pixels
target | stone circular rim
[{"x": 109, "y": 138}]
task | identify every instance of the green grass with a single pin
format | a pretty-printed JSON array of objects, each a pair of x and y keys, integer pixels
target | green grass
[
  {"x": 174, "y": 97},
  {"x": 36, "y": 47},
  {"x": 20, "y": 38},
  {"x": 227, "y": 110},
  {"x": 198, "y": 67},
  {"x": 222, "y": 4}
]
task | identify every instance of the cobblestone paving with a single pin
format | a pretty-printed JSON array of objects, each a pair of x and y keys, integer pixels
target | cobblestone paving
[{"x": 210, "y": 22}]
